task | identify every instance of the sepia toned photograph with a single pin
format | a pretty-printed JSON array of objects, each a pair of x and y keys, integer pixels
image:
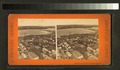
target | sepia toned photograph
[
  {"x": 36, "y": 40},
  {"x": 78, "y": 41},
  {"x": 58, "y": 39}
]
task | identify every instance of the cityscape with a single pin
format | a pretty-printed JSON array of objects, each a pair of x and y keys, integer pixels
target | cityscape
[
  {"x": 58, "y": 42},
  {"x": 36, "y": 43},
  {"x": 77, "y": 42}
]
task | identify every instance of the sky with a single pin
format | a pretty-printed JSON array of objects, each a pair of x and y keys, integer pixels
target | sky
[{"x": 53, "y": 22}]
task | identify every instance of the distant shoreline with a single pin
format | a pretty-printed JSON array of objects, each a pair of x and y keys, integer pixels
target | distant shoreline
[
  {"x": 34, "y": 27},
  {"x": 75, "y": 26}
]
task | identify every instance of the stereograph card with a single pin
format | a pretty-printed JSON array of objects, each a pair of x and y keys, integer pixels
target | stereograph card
[{"x": 59, "y": 39}]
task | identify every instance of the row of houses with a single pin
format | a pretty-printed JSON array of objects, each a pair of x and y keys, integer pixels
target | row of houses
[{"x": 78, "y": 46}]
